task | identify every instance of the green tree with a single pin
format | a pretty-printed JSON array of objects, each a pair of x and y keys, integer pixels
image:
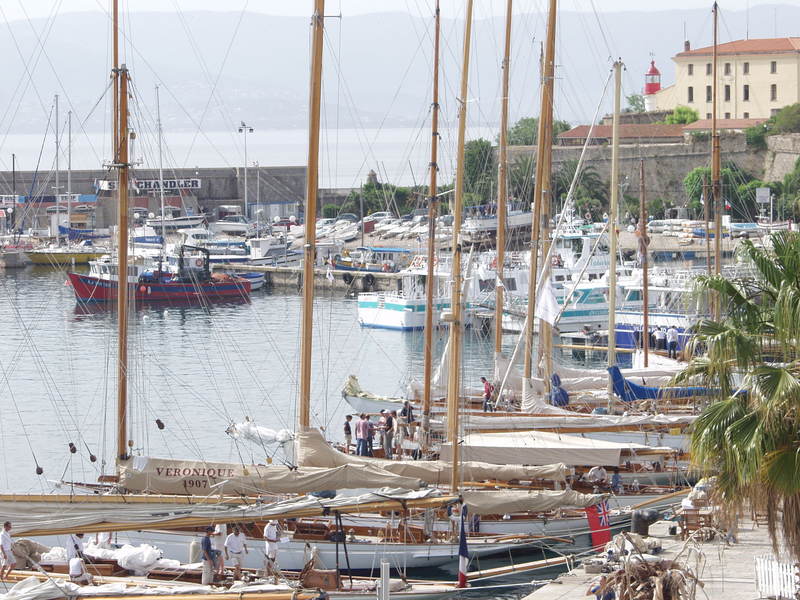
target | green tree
[
  {"x": 682, "y": 115},
  {"x": 749, "y": 434},
  {"x": 786, "y": 120},
  {"x": 525, "y": 132},
  {"x": 480, "y": 172},
  {"x": 656, "y": 208},
  {"x": 520, "y": 178},
  {"x": 329, "y": 211},
  {"x": 378, "y": 196},
  {"x": 635, "y": 103},
  {"x": 732, "y": 178},
  {"x": 591, "y": 192}
]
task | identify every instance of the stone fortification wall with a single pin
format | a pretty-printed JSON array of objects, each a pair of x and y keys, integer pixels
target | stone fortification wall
[
  {"x": 781, "y": 156},
  {"x": 666, "y": 165}
]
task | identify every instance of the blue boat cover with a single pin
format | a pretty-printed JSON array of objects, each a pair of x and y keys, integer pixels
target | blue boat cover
[{"x": 629, "y": 391}]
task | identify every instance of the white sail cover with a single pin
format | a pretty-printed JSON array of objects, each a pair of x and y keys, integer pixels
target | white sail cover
[
  {"x": 314, "y": 451},
  {"x": 45, "y": 517},
  {"x": 166, "y": 476},
  {"x": 540, "y": 447},
  {"x": 247, "y": 430},
  {"x": 492, "y": 502}
]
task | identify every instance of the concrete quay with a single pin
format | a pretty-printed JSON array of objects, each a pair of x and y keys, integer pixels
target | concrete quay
[
  {"x": 350, "y": 282},
  {"x": 727, "y": 571}
]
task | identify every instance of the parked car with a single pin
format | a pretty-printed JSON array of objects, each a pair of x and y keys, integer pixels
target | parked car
[
  {"x": 377, "y": 216},
  {"x": 349, "y": 217}
]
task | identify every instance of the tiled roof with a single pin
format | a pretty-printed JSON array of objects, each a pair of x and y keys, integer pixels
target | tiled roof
[
  {"x": 783, "y": 45},
  {"x": 704, "y": 124},
  {"x": 626, "y": 131}
]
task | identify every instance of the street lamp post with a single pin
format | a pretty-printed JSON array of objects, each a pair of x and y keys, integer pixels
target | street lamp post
[{"x": 245, "y": 129}]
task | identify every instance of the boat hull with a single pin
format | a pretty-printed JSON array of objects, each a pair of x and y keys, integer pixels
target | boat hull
[
  {"x": 94, "y": 289},
  {"x": 363, "y": 555},
  {"x": 62, "y": 259}
]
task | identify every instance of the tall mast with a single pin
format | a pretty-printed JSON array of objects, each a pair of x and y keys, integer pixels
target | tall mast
[
  {"x": 122, "y": 268},
  {"x": 502, "y": 191},
  {"x": 115, "y": 75},
  {"x": 430, "y": 287},
  {"x": 715, "y": 165},
  {"x": 58, "y": 191},
  {"x": 69, "y": 172},
  {"x": 644, "y": 241},
  {"x": 542, "y": 178},
  {"x": 612, "y": 232},
  {"x": 161, "y": 174},
  {"x": 312, "y": 175},
  {"x": 456, "y": 324}
]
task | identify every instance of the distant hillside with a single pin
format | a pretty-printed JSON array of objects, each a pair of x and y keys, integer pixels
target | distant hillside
[{"x": 377, "y": 66}]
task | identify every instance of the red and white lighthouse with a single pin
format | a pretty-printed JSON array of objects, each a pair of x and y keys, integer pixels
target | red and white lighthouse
[{"x": 652, "y": 84}]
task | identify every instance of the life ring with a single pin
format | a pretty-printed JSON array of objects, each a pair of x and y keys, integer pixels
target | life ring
[
  {"x": 348, "y": 278},
  {"x": 198, "y": 262},
  {"x": 142, "y": 289},
  {"x": 369, "y": 280}
]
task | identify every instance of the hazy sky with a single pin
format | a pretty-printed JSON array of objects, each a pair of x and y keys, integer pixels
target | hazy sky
[{"x": 12, "y": 9}]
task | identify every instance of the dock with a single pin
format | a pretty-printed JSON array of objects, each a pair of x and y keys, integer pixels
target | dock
[
  {"x": 349, "y": 282},
  {"x": 727, "y": 570}
]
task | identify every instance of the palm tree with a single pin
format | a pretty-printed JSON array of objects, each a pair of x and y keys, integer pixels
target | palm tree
[{"x": 749, "y": 435}]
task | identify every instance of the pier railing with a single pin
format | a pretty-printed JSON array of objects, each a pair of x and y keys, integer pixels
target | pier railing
[{"x": 776, "y": 579}]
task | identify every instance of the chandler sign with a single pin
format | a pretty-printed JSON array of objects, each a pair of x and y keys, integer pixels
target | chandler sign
[{"x": 149, "y": 185}]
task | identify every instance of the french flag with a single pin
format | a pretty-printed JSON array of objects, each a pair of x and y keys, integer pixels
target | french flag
[{"x": 463, "y": 553}]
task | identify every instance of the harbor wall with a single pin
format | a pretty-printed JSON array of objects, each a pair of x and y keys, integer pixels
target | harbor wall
[
  {"x": 666, "y": 165},
  {"x": 348, "y": 282},
  {"x": 781, "y": 156}
]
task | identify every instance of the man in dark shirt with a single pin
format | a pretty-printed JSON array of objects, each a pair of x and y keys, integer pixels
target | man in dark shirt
[
  {"x": 208, "y": 554},
  {"x": 407, "y": 414},
  {"x": 348, "y": 434}
]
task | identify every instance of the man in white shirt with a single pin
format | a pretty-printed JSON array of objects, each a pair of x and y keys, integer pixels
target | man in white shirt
[
  {"x": 9, "y": 562},
  {"x": 75, "y": 546},
  {"x": 271, "y": 543},
  {"x": 78, "y": 573},
  {"x": 597, "y": 475},
  {"x": 235, "y": 547},
  {"x": 660, "y": 337},
  {"x": 672, "y": 342}
]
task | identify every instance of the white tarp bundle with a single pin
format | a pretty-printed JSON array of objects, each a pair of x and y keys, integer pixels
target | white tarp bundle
[
  {"x": 57, "y": 517},
  {"x": 167, "y": 476},
  {"x": 312, "y": 449},
  {"x": 491, "y": 502},
  {"x": 247, "y": 430},
  {"x": 540, "y": 447}
]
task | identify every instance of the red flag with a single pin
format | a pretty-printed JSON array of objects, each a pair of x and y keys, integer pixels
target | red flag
[{"x": 599, "y": 524}]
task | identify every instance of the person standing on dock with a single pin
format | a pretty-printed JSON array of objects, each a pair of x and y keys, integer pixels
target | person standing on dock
[
  {"x": 348, "y": 434},
  {"x": 661, "y": 338},
  {"x": 9, "y": 562},
  {"x": 672, "y": 342},
  {"x": 388, "y": 435},
  {"x": 235, "y": 546},
  {"x": 488, "y": 390},
  {"x": 271, "y": 547},
  {"x": 362, "y": 433},
  {"x": 209, "y": 557}
]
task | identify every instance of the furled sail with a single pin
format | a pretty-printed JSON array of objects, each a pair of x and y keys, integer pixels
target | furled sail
[
  {"x": 314, "y": 451},
  {"x": 491, "y": 502},
  {"x": 166, "y": 476}
]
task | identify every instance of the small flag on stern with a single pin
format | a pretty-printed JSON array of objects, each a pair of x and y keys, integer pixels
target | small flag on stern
[{"x": 599, "y": 518}]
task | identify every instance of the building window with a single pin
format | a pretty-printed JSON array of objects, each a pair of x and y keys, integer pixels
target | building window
[
  {"x": 708, "y": 115},
  {"x": 773, "y": 92},
  {"x": 727, "y": 115},
  {"x": 746, "y": 115},
  {"x": 773, "y": 66},
  {"x": 727, "y": 68},
  {"x": 727, "y": 93},
  {"x": 773, "y": 111},
  {"x": 691, "y": 69},
  {"x": 708, "y": 68},
  {"x": 746, "y": 93},
  {"x": 746, "y": 68},
  {"x": 690, "y": 94},
  {"x": 708, "y": 93}
]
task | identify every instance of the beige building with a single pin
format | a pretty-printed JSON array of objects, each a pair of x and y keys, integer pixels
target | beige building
[{"x": 756, "y": 79}]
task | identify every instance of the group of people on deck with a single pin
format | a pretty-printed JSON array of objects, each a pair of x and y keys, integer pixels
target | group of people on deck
[
  {"x": 392, "y": 428},
  {"x": 234, "y": 547}
]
